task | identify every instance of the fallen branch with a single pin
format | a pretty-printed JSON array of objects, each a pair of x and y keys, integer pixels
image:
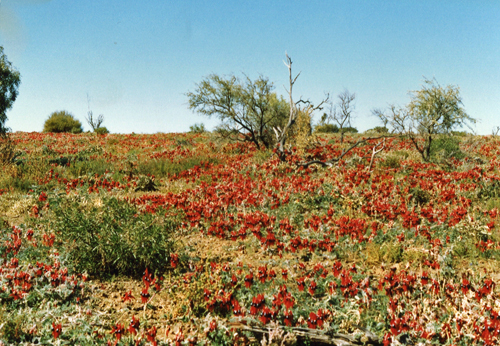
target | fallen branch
[
  {"x": 314, "y": 337},
  {"x": 329, "y": 163}
]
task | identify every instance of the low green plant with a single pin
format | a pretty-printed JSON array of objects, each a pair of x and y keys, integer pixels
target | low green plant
[
  {"x": 391, "y": 161},
  {"x": 101, "y": 130},
  {"x": 197, "y": 128},
  {"x": 349, "y": 129},
  {"x": 165, "y": 168},
  {"x": 62, "y": 121},
  {"x": 446, "y": 147},
  {"x": 106, "y": 236},
  {"x": 379, "y": 129},
  {"x": 326, "y": 128}
]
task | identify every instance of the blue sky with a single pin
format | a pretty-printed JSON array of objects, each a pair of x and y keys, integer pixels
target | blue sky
[{"x": 138, "y": 59}]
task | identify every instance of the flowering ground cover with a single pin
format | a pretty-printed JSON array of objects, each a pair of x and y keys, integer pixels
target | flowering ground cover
[{"x": 184, "y": 238}]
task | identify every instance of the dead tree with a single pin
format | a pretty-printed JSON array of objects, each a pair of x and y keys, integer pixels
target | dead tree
[
  {"x": 346, "y": 108},
  {"x": 341, "y": 113},
  {"x": 94, "y": 123},
  {"x": 282, "y": 134}
]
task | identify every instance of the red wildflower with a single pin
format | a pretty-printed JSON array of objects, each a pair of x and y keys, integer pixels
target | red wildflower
[
  {"x": 151, "y": 335},
  {"x": 300, "y": 284},
  {"x": 249, "y": 280},
  {"x": 284, "y": 274},
  {"x": 144, "y": 296},
  {"x": 118, "y": 331},
  {"x": 288, "y": 315},
  {"x": 174, "y": 260},
  {"x": 127, "y": 296},
  {"x": 312, "y": 320},
  {"x": 424, "y": 279},
  {"x": 133, "y": 326},
  {"x": 56, "y": 330},
  {"x": 312, "y": 288}
]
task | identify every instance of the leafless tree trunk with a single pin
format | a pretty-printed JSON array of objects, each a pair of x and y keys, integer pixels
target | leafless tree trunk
[
  {"x": 94, "y": 123},
  {"x": 341, "y": 113},
  {"x": 281, "y": 134}
]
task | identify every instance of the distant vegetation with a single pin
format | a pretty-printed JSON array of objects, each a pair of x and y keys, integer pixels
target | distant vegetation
[
  {"x": 197, "y": 128},
  {"x": 62, "y": 121}
]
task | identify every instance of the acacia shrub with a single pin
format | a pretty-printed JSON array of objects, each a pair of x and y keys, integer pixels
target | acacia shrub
[
  {"x": 62, "y": 121},
  {"x": 105, "y": 236}
]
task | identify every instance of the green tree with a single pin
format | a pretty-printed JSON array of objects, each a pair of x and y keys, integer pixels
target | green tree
[
  {"x": 432, "y": 111},
  {"x": 9, "y": 88},
  {"x": 62, "y": 121},
  {"x": 248, "y": 110}
]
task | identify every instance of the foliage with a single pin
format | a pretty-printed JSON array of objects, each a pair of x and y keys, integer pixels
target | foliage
[
  {"x": 248, "y": 109},
  {"x": 7, "y": 150},
  {"x": 106, "y": 236},
  {"x": 101, "y": 130},
  {"x": 432, "y": 111},
  {"x": 379, "y": 129},
  {"x": 62, "y": 121},
  {"x": 350, "y": 250},
  {"x": 197, "y": 128},
  {"x": 9, "y": 88},
  {"x": 326, "y": 128},
  {"x": 446, "y": 147}
]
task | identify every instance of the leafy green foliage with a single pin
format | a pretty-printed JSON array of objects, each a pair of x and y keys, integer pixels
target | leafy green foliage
[
  {"x": 432, "y": 111},
  {"x": 197, "y": 128},
  {"x": 326, "y": 128},
  {"x": 108, "y": 236},
  {"x": 101, "y": 130},
  {"x": 62, "y": 121},
  {"x": 446, "y": 147},
  {"x": 9, "y": 88},
  {"x": 249, "y": 108},
  {"x": 379, "y": 129}
]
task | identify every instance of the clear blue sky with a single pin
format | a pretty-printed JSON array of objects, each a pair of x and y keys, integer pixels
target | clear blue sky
[{"x": 137, "y": 59}]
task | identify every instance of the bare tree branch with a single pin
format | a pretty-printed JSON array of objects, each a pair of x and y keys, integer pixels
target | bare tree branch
[{"x": 375, "y": 152}]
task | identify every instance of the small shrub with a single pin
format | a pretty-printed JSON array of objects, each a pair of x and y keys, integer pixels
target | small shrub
[
  {"x": 379, "y": 129},
  {"x": 197, "y": 128},
  {"x": 7, "y": 150},
  {"x": 349, "y": 130},
  {"x": 326, "y": 128},
  {"x": 390, "y": 161},
  {"x": 420, "y": 196},
  {"x": 62, "y": 121},
  {"x": 446, "y": 147},
  {"x": 101, "y": 130},
  {"x": 106, "y": 236}
]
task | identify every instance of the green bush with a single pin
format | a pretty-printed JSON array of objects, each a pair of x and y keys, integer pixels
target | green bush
[
  {"x": 197, "y": 128},
  {"x": 390, "y": 161},
  {"x": 106, "y": 236},
  {"x": 379, "y": 129},
  {"x": 62, "y": 121},
  {"x": 101, "y": 130},
  {"x": 326, "y": 128},
  {"x": 446, "y": 147},
  {"x": 349, "y": 130}
]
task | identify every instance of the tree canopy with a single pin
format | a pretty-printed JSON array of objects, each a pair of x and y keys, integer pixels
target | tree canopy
[
  {"x": 433, "y": 110},
  {"x": 247, "y": 109},
  {"x": 9, "y": 88}
]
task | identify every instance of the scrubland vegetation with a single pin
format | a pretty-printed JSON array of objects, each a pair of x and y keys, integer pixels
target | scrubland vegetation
[
  {"x": 178, "y": 238},
  {"x": 263, "y": 231}
]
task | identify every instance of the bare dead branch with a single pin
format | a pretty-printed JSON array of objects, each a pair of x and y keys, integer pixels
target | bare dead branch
[
  {"x": 314, "y": 336},
  {"x": 329, "y": 163},
  {"x": 375, "y": 152}
]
